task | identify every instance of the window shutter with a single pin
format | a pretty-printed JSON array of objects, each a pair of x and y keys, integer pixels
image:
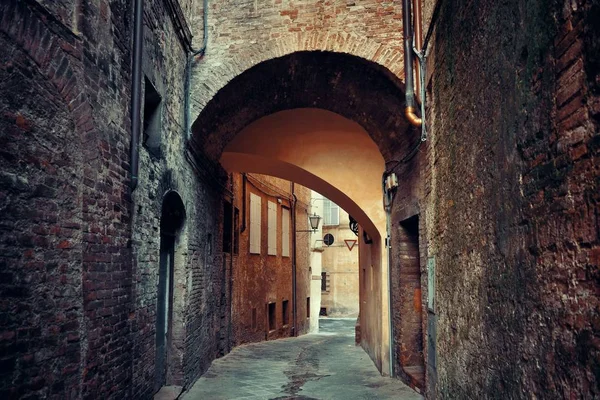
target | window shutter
[
  {"x": 285, "y": 232},
  {"x": 331, "y": 213},
  {"x": 255, "y": 223},
  {"x": 272, "y": 221}
]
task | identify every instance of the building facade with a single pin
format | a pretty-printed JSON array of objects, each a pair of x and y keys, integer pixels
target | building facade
[
  {"x": 265, "y": 248},
  {"x": 339, "y": 271}
]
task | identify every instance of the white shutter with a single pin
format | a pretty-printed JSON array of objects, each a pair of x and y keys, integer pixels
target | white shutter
[
  {"x": 255, "y": 223},
  {"x": 331, "y": 213},
  {"x": 272, "y": 220},
  {"x": 285, "y": 232}
]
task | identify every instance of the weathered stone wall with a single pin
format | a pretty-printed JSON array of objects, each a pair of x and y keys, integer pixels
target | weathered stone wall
[
  {"x": 73, "y": 165},
  {"x": 78, "y": 315},
  {"x": 512, "y": 216}
]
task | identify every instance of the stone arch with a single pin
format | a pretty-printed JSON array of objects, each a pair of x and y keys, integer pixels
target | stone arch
[
  {"x": 363, "y": 92},
  {"x": 212, "y": 75},
  {"x": 353, "y": 87}
]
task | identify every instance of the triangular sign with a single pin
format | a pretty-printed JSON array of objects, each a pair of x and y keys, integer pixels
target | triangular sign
[{"x": 350, "y": 243}]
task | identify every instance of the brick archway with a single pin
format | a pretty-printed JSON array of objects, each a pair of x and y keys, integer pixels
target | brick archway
[
  {"x": 362, "y": 91},
  {"x": 212, "y": 74}
]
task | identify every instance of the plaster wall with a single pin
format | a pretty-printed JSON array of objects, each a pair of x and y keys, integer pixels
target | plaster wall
[
  {"x": 341, "y": 299},
  {"x": 297, "y": 145}
]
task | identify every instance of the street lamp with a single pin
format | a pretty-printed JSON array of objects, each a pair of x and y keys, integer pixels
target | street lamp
[{"x": 314, "y": 221}]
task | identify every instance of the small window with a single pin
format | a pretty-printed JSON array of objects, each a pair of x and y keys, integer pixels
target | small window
[
  {"x": 285, "y": 232},
  {"x": 308, "y": 307},
  {"x": 331, "y": 213},
  {"x": 271, "y": 313},
  {"x": 254, "y": 318},
  {"x": 323, "y": 312},
  {"x": 227, "y": 227},
  {"x": 255, "y": 223},
  {"x": 285, "y": 312},
  {"x": 236, "y": 231},
  {"x": 324, "y": 283},
  {"x": 272, "y": 234},
  {"x": 152, "y": 118}
]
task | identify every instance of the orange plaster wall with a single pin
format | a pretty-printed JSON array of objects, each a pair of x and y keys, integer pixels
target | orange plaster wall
[{"x": 337, "y": 158}]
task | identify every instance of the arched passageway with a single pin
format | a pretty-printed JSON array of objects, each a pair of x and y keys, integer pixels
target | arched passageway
[
  {"x": 171, "y": 221},
  {"x": 331, "y": 122}
]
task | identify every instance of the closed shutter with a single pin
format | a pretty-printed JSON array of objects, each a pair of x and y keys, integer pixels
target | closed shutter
[
  {"x": 285, "y": 232},
  {"x": 255, "y": 223},
  {"x": 331, "y": 213},
  {"x": 272, "y": 221}
]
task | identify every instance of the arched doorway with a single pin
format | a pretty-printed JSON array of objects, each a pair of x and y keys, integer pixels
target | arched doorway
[
  {"x": 171, "y": 221},
  {"x": 312, "y": 117}
]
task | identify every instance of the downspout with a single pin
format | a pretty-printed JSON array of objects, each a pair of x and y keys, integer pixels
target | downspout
[
  {"x": 418, "y": 21},
  {"x": 232, "y": 247},
  {"x": 191, "y": 60},
  {"x": 387, "y": 205},
  {"x": 410, "y": 111},
  {"x": 294, "y": 303},
  {"x": 244, "y": 179},
  {"x": 136, "y": 91}
]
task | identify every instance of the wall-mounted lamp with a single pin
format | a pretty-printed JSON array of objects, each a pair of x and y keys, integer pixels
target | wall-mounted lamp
[{"x": 314, "y": 221}]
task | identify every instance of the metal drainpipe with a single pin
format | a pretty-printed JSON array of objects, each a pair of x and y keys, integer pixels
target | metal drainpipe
[
  {"x": 388, "y": 228},
  {"x": 244, "y": 178},
  {"x": 411, "y": 105},
  {"x": 418, "y": 45},
  {"x": 294, "y": 303},
  {"x": 136, "y": 91},
  {"x": 188, "y": 72},
  {"x": 232, "y": 247}
]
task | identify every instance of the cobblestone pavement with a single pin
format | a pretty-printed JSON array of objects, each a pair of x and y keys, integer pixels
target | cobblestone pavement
[{"x": 326, "y": 365}]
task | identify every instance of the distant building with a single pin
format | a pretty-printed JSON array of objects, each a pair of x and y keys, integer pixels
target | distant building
[
  {"x": 339, "y": 265},
  {"x": 260, "y": 230}
]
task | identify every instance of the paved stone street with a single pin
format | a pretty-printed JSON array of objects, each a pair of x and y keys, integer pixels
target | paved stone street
[{"x": 326, "y": 365}]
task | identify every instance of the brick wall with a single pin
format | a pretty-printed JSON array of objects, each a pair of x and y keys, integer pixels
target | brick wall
[{"x": 513, "y": 206}]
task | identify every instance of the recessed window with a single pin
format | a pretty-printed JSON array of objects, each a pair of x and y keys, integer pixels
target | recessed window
[
  {"x": 285, "y": 312},
  {"x": 308, "y": 307},
  {"x": 152, "y": 118},
  {"x": 254, "y": 318},
  {"x": 271, "y": 312},
  {"x": 236, "y": 231},
  {"x": 324, "y": 282},
  {"x": 227, "y": 237},
  {"x": 323, "y": 312}
]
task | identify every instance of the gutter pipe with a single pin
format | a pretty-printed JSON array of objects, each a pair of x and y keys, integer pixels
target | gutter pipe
[
  {"x": 387, "y": 205},
  {"x": 418, "y": 21},
  {"x": 231, "y": 254},
  {"x": 294, "y": 302},
  {"x": 136, "y": 91},
  {"x": 244, "y": 178},
  {"x": 191, "y": 60},
  {"x": 411, "y": 104}
]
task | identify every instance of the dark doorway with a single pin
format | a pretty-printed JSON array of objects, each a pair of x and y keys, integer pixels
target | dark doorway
[
  {"x": 172, "y": 217},
  {"x": 408, "y": 318}
]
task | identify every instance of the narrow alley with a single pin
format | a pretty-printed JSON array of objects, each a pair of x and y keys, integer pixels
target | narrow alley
[
  {"x": 325, "y": 365},
  {"x": 189, "y": 187}
]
